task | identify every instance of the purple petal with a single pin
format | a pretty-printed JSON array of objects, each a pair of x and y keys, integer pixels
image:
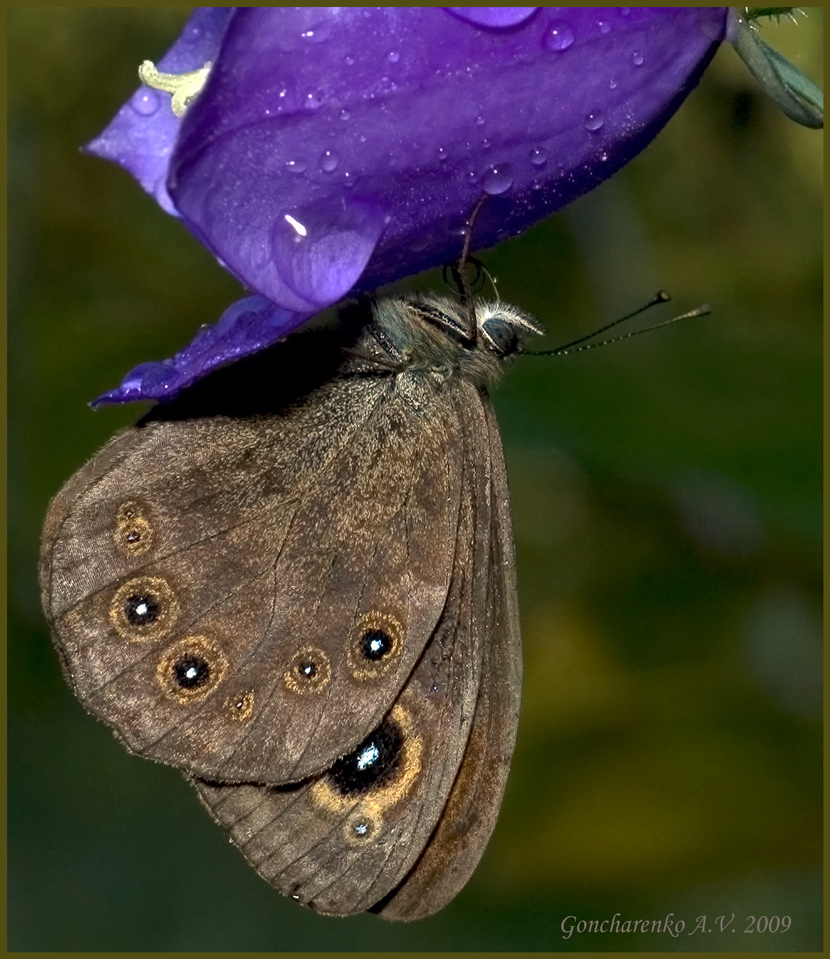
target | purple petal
[
  {"x": 335, "y": 150},
  {"x": 246, "y": 327},
  {"x": 141, "y": 136},
  {"x": 378, "y": 129}
]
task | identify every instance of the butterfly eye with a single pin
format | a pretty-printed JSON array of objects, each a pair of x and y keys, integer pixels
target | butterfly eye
[
  {"x": 501, "y": 335},
  {"x": 377, "y": 641},
  {"x": 144, "y": 608},
  {"x": 133, "y": 530},
  {"x": 191, "y": 668},
  {"x": 308, "y": 672}
]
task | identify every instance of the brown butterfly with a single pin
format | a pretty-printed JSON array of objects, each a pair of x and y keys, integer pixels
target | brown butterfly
[{"x": 296, "y": 583}]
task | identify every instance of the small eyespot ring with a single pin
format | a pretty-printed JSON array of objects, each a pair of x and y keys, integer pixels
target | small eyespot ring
[
  {"x": 191, "y": 669},
  {"x": 241, "y": 706},
  {"x": 362, "y": 827},
  {"x": 143, "y": 608},
  {"x": 377, "y": 641},
  {"x": 309, "y": 671},
  {"x": 133, "y": 531}
]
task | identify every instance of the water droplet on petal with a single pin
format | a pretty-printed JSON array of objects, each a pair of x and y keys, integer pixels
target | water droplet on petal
[
  {"x": 538, "y": 156},
  {"x": 318, "y": 33},
  {"x": 296, "y": 166},
  {"x": 393, "y": 56},
  {"x": 344, "y": 114},
  {"x": 145, "y": 102},
  {"x": 612, "y": 84},
  {"x": 348, "y": 60},
  {"x": 594, "y": 121},
  {"x": 485, "y": 144},
  {"x": 443, "y": 153},
  {"x": 558, "y": 36},
  {"x": 322, "y": 264},
  {"x": 497, "y": 179},
  {"x": 329, "y": 162},
  {"x": 479, "y": 121},
  {"x": 637, "y": 58},
  {"x": 604, "y": 26}
]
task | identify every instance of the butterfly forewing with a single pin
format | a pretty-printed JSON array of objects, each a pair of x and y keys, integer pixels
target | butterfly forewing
[{"x": 264, "y": 561}]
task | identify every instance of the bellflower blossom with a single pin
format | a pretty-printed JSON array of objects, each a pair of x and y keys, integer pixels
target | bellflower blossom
[{"x": 328, "y": 151}]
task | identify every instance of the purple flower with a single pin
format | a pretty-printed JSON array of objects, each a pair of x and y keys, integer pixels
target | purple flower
[{"x": 333, "y": 150}]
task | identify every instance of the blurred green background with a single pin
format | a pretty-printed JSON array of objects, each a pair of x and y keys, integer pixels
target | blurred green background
[{"x": 667, "y": 504}]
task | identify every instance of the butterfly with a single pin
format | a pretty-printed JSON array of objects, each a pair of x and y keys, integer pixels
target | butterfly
[{"x": 296, "y": 583}]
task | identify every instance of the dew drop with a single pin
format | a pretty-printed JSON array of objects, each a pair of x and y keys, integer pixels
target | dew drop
[
  {"x": 604, "y": 26},
  {"x": 498, "y": 179},
  {"x": 296, "y": 166},
  {"x": 348, "y": 60},
  {"x": 145, "y": 102},
  {"x": 393, "y": 56},
  {"x": 558, "y": 36},
  {"x": 637, "y": 58},
  {"x": 340, "y": 235},
  {"x": 329, "y": 162},
  {"x": 538, "y": 156},
  {"x": 594, "y": 121},
  {"x": 345, "y": 114},
  {"x": 318, "y": 33},
  {"x": 612, "y": 84},
  {"x": 486, "y": 144},
  {"x": 443, "y": 153},
  {"x": 479, "y": 121}
]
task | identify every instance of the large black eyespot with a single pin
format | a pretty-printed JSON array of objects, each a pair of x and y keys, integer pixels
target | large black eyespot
[
  {"x": 141, "y": 609},
  {"x": 374, "y": 762},
  {"x": 144, "y": 608},
  {"x": 377, "y": 641},
  {"x": 192, "y": 672},
  {"x": 191, "y": 668},
  {"x": 375, "y": 644}
]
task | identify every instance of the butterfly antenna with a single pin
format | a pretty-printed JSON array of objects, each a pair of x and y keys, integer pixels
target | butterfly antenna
[
  {"x": 458, "y": 271},
  {"x": 661, "y": 297}
]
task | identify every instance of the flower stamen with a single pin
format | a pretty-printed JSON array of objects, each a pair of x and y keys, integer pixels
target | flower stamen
[{"x": 184, "y": 87}]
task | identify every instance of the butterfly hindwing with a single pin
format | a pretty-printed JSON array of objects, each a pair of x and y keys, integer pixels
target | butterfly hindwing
[
  {"x": 471, "y": 811},
  {"x": 341, "y": 841}
]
